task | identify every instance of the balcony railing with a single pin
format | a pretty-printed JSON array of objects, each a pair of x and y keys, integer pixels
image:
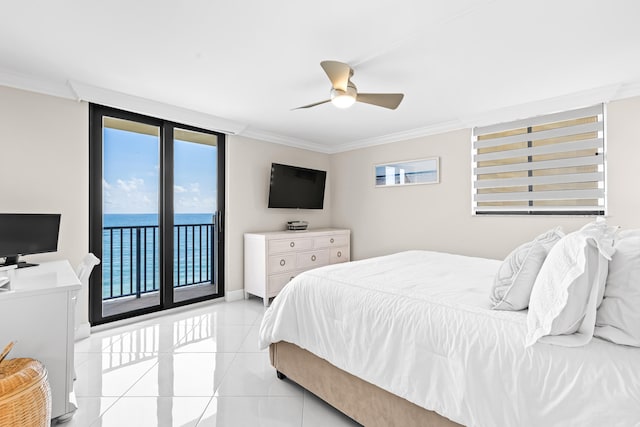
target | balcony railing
[{"x": 131, "y": 258}]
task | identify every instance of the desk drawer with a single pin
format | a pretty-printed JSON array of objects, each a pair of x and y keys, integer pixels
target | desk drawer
[
  {"x": 282, "y": 263},
  {"x": 313, "y": 259},
  {"x": 338, "y": 255},
  {"x": 290, "y": 245},
  {"x": 331, "y": 241}
]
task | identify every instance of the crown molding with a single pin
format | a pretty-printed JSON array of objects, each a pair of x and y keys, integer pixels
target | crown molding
[
  {"x": 628, "y": 90},
  {"x": 284, "y": 140},
  {"x": 111, "y": 98},
  {"x": 434, "y": 129},
  {"x": 544, "y": 106},
  {"x": 84, "y": 92},
  {"x": 35, "y": 84}
]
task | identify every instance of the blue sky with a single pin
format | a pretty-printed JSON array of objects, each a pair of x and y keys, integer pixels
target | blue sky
[{"x": 131, "y": 174}]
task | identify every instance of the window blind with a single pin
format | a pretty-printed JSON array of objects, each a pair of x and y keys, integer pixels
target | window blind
[{"x": 551, "y": 164}]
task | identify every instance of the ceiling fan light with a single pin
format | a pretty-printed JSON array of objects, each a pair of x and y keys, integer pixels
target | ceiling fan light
[{"x": 343, "y": 99}]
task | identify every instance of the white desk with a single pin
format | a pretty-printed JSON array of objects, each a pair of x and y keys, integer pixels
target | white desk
[{"x": 38, "y": 312}]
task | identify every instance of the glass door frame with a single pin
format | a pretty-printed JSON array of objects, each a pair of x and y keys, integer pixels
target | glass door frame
[{"x": 165, "y": 213}]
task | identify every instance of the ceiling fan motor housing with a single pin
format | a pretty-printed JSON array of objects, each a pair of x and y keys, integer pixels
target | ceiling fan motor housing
[
  {"x": 344, "y": 93},
  {"x": 344, "y": 98}
]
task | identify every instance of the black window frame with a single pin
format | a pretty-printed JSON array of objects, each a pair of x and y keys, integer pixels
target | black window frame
[{"x": 165, "y": 214}]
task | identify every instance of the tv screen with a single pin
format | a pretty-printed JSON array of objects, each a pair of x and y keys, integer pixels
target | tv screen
[
  {"x": 295, "y": 187},
  {"x": 24, "y": 234}
]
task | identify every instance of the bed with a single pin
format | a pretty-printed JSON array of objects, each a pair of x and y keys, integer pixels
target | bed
[{"x": 410, "y": 339}]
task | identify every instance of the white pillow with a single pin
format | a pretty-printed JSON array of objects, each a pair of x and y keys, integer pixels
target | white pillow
[
  {"x": 516, "y": 275},
  {"x": 618, "y": 318},
  {"x": 570, "y": 286}
]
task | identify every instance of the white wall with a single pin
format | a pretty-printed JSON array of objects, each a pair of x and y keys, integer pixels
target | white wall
[
  {"x": 44, "y": 168},
  {"x": 248, "y": 169},
  {"x": 438, "y": 216}
]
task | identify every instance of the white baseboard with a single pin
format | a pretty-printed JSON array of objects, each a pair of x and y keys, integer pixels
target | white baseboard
[
  {"x": 234, "y": 295},
  {"x": 82, "y": 331}
]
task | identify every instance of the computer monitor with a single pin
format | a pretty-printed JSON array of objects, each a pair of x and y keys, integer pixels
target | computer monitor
[{"x": 26, "y": 234}]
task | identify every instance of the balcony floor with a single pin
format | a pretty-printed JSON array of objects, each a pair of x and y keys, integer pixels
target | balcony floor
[{"x": 131, "y": 303}]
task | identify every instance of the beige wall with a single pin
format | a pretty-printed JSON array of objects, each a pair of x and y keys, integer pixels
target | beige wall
[
  {"x": 623, "y": 152},
  {"x": 438, "y": 216},
  {"x": 247, "y": 173},
  {"x": 44, "y": 168}
]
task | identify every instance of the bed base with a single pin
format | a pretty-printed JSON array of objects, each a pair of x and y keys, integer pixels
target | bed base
[{"x": 364, "y": 402}]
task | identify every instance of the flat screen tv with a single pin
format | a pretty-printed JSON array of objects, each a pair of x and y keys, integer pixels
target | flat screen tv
[
  {"x": 26, "y": 234},
  {"x": 296, "y": 188}
]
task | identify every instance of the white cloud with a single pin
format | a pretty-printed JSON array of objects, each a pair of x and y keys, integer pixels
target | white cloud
[
  {"x": 105, "y": 184},
  {"x": 130, "y": 185},
  {"x": 179, "y": 189},
  {"x": 194, "y": 187}
]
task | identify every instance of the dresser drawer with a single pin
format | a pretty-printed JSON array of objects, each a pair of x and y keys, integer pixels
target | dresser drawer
[
  {"x": 313, "y": 259},
  {"x": 272, "y": 259},
  {"x": 282, "y": 263},
  {"x": 337, "y": 255},
  {"x": 290, "y": 245},
  {"x": 276, "y": 282},
  {"x": 331, "y": 241}
]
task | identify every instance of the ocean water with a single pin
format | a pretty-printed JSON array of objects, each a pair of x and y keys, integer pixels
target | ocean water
[
  {"x": 125, "y": 220},
  {"x": 131, "y": 254}
]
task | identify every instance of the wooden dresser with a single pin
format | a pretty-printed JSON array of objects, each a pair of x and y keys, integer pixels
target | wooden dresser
[{"x": 272, "y": 259}]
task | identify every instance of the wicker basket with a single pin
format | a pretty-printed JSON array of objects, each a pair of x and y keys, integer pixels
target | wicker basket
[{"x": 25, "y": 396}]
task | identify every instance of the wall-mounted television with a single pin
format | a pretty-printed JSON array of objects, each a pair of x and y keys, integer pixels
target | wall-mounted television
[
  {"x": 296, "y": 188},
  {"x": 26, "y": 234}
]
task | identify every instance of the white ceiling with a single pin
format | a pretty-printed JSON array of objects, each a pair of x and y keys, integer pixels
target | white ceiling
[{"x": 252, "y": 61}]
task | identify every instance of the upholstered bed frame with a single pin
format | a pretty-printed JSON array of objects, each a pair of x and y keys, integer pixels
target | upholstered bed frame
[{"x": 366, "y": 403}]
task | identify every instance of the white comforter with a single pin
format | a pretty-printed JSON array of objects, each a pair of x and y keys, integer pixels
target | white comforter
[{"x": 418, "y": 324}]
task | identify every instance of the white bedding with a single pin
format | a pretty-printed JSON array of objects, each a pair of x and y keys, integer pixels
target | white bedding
[{"x": 418, "y": 324}]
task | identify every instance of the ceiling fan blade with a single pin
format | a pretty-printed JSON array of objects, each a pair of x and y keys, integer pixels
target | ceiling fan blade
[
  {"x": 338, "y": 73},
  {"x": 386, "y": 100},
  {"x": 312, "y": 105}
]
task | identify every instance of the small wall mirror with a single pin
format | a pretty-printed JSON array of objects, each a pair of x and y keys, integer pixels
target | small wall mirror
[{"x": 411, "y": 172}]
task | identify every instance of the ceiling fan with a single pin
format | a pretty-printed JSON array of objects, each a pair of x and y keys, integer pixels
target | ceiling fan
[{"x": 344, "y": 93}]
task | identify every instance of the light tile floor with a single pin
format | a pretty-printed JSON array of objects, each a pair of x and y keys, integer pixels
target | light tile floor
[{"x": 200, "y": 367}]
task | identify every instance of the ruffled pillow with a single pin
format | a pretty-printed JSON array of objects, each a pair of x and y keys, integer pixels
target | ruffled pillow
[
  {"x": 570, "y": 287},
  {"x": 517, "y": 274},
  {"x": 618, "y": 318}
]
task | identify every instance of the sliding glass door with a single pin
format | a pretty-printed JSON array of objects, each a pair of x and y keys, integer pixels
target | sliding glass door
[
  {"x": 194, "y": 218},
  {"x": 130, "y": 216},
  {"x": 156, "y": 196}
]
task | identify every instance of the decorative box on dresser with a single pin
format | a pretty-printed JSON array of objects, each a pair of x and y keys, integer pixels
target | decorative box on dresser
[{"x": 272, "y": 259}]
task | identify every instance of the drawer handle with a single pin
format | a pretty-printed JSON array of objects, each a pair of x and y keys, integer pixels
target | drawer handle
[
  {"x": 292, "y": 244},
  {"x": 339, "y": 254},
  {"x": 332, "y": 240},
  {"x": 282, "y": 262},
  {"x": 313, "y": 257}
]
